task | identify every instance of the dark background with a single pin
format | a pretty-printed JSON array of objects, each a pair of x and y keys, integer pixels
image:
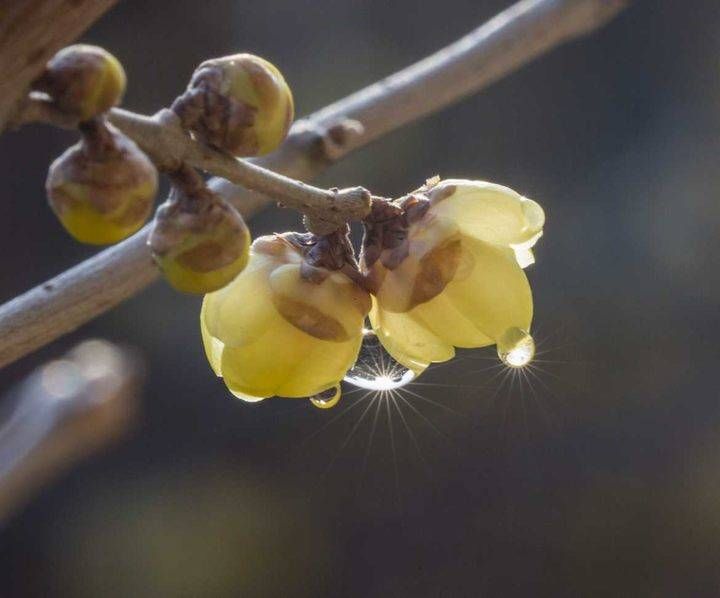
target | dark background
[{"x": 599, "y": 475}]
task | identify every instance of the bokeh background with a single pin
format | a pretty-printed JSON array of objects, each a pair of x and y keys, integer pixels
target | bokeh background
[{"x": 596, "y": 475}]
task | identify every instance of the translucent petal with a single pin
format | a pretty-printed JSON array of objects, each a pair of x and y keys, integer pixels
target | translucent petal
[
  {"x": 450, "y": 322},
  {"x": 322, "y": 367},
  {"x": 489, "y": 212},
  {"x": 523, "y": 251},
  {"x": 256, "y": 348},
  {"x": 239, "y": 313},
  {"x": 408, "y": 341},
  {"x": 288, "y": 362},
  {"x": 213, "y": 347},
  {"x": 497, "y": 295},
  {"x": 260, "y": 367},
  {"x": 336, "y": 300},
  {"x": 425, "y": 240},
  {"x": 395, "y": 291}
]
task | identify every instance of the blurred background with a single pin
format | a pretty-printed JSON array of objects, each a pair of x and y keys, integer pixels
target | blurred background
[{"x": 597, "y": 474}]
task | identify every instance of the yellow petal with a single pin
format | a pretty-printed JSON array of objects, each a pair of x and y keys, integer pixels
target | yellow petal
[
  {"x": 287, "y": 362},
  {"x": 427, "y": 265},
  {"x": 496, "y": 296},
  {"x": 238, "y": 313},
  {"x": 407, "y": 340},
  {"x": 213, "y": 347},
  {"x": 489, "y": 212},
  {"x": 451, "y": 322},
  {"x": 260, "y": 368},
  {"x": 333, "y": 309},
  {"x": 322, "y": 367},
  {"x": 262, "y": 352}
]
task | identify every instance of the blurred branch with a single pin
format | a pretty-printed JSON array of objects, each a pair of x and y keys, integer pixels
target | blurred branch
[
  {"x": 30, "y": 34},
  {"x": 525, "y": 31},
  {"x": 64, "y": 411}
]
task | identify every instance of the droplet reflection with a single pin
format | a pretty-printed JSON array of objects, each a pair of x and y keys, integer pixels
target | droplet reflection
[
  {"x": 328, "y": 398},
  {"x": 516, "y": 348},
  {"x": 375, "y": 369}
]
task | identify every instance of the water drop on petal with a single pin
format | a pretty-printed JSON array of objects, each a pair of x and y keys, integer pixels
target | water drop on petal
[
  {"x": 327, "y": 398},
  {"x": 516, "y": 348},
  {"x": 375, "y": 369},
  {"x": 247, "y": 398}
]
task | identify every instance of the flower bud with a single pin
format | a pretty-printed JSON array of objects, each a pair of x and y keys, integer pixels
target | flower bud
[
  {"x": 102, "y": 189},
  {"x": 199, "y": 241},
  {"x": 83, "y": 81},
  {"x": 447, "y": 271},
  {"x": 289, "y": 325},
  {"x": 239, "y": 104}
]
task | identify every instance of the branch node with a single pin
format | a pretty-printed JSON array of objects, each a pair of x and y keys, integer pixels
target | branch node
[{"x": 332, "y": 141}]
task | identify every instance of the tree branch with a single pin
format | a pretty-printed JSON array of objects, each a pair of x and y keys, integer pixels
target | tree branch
[
  {"x": 30, "y": 34},
  {"x": 524, "y": 31},
  {"x": 63, "y": 412},
  {"x": 168, "y": 145}
]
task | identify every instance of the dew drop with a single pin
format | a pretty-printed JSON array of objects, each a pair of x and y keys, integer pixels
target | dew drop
[
  {"x": 516, "y": 348},
  {"x": 375, "y": 369},
  {"x": 247, "y": 398},
  {"x": 327, "y": 398}
]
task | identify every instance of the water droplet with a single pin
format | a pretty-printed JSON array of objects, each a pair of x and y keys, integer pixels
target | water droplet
[
  {"x": 516, "y": 348},
  {"x": 247, "y": 398},
  {"x": 375, "y": 369},
  {"x": 327, "y": 398}
]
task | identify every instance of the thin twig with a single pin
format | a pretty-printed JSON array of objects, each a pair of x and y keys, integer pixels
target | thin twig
[
  {"x": 169, "y": 146},
  {"x": 523, "y": 32}
]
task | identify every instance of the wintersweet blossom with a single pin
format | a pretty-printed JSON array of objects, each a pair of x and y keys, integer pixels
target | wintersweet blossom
[
  {"x": 289, "y": 325},
  {"x": 446, "y": 269}
]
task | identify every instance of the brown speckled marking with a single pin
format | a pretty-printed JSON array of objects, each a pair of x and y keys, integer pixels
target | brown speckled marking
[
  {"x": 437, "y": 269},
  {"x": 223, "y": 122},
  {"x": 310, "y": 320}
]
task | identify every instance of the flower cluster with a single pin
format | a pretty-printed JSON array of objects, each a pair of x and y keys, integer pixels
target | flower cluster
[
  {"x": 103, "y": 188},
  {"x": 440, "y": 268}
]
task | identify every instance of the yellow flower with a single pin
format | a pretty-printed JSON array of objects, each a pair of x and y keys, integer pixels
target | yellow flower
[
  {"x": 448, "y": 272},
  {"x": 285, "y": 326}
]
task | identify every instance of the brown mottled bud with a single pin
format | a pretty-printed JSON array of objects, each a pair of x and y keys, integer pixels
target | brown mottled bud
[
  {"x": 102, "y": 189},
  {"x": 240, "y": 104},
  {"x": 200, "y": 242},
  {"x": 83, "y": 81}
]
